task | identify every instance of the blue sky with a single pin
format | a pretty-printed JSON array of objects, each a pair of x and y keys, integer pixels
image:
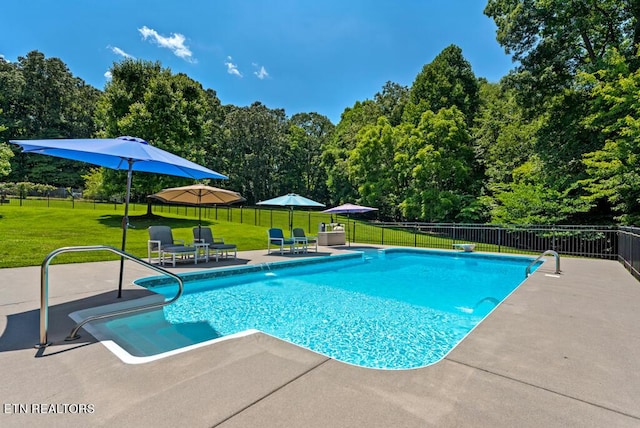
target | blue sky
[{"x": 303, "y": 56}]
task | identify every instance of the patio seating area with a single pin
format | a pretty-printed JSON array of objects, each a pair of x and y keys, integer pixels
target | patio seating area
[{"x": 204, "y": 235}]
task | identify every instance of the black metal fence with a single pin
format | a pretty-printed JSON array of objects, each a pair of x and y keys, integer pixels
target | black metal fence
[
  {"x": 620, "y": 243},
  {"x": 583, "y": 241},
  {"x": 629, "y": 249}
]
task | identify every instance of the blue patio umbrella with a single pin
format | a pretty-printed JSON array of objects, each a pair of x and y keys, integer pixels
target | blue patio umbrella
[
  {"x": 121, "y": 153},
  {"x": 291, "y": 200}
]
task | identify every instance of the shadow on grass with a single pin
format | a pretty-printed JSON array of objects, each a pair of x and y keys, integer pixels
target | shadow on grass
[{"x": 144, "y": 221}]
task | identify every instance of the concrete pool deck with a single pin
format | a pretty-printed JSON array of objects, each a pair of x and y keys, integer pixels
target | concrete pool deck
[{"x": 561, "y": 351}]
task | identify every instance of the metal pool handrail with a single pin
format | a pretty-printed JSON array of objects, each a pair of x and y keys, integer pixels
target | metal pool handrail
[
  {"x": 44, "y": 290},
  {"x": 546, "y": 253}
]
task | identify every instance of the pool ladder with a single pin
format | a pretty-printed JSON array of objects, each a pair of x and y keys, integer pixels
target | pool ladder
[
  {"x": 546, "y": 253},
  {"x": 44, "y": 291}
]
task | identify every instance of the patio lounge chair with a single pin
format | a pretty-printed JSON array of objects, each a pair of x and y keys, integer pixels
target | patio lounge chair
[
  {"x": 300, "y": 238},
  {"x": 204, "y": 235},
  {"x": 161, "y": 243},
  {"x": 276, "y": 238}
]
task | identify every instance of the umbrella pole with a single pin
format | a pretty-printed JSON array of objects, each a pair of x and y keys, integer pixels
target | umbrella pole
[
  {"x": 125, "y": 225},
  {"x": 199, "y": 215}
]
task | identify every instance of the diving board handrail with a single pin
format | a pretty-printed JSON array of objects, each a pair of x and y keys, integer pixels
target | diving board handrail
[
  {"x": 44, "y": 290},
  {"x": 546, "y": 253}
]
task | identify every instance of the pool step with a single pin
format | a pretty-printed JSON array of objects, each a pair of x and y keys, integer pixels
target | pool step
[{"x": 155, "y": 336}]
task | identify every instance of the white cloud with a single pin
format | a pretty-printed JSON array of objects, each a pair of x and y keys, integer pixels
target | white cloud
[
  {"x": 108, "y": 75},
  {"x": 116, "y": 50},
  {"x": 261, "y": 73},
  {"x": 175, "y": 43},
  {"x": 232, "y": 68}
]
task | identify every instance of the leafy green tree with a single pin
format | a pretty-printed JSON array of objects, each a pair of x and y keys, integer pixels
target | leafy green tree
[
  {"x": 254, "y": 145},
  {"x": 94, "y": 185},
  {"x": 562, "y": 139},
  {"x": 214, "y": 118},
  {"x": 392, "y": 101},
  {"x": 503, "y": 137},
  {"x": 169, "y": 111},
  {"x": 12, "y": 85},
  {"x": 5, "y": 154},
  {"x": 42, "y": 99},
  {"x": 308, "y": 134},
  {"x": 552, "y": 41},
  {"x": 613, "y": 173},
  {"x": 371, "y": 165},
  {"x": 526, "y": 199},
  {"x": 445, "y": 82},
  {"x": 504, "y": 140},
  {"x": 442, "y": 161},
  {"x": 24, "y": 188},
  {"x": 337, "y": 150}
]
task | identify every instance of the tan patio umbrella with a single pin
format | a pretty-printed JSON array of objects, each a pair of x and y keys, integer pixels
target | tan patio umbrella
[{"x": 198, "y": 195}]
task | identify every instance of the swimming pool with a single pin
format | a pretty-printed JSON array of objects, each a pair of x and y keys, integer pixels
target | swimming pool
[{"x": 393, "y": 309}]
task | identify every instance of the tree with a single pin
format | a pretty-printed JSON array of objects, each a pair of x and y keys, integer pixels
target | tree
[
  {"x": 446, "y": 82},
  {"x": 392, "y": 101},
  {"x": 337, "y": 150},
  {"x": 526, "y": 199},
  {"x": 441, "y": 158},
  {"x": 552, "y": 41},
  {"x": 612, "y": 170},
  {"x": 5, "y": 154},
  {"x": 371, "y": 165},
  {"x": 169, "y": 111},
  {"x": 42, "y": 99},
  {"x": 504, "y": 139},
  {"x": 308, "y": 134},
  {"x": 94, "y": 184},
  {"x": 253, "y": 145}
]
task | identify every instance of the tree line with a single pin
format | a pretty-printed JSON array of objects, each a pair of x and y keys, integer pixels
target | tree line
[{"x": 556, "y": 141}]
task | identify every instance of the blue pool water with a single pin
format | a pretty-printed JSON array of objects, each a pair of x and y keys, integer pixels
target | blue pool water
[{"x": 387, "y": 310}]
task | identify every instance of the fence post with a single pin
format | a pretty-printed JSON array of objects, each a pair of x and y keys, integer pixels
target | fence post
[
  {"x": 354, "y": 230},
  {"x": 382, "y": 237},
  {"x": 241, "y": 214},
  {"x": 415, "y": 235}
]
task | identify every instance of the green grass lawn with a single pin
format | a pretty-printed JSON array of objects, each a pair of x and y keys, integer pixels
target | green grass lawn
[{"x": 30, "y": 233}]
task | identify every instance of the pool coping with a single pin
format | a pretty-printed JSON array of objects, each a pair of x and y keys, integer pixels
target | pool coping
[{"x": 560, "y": 351}]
